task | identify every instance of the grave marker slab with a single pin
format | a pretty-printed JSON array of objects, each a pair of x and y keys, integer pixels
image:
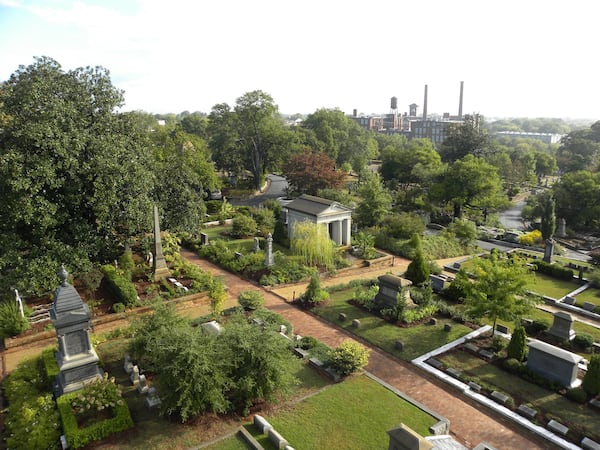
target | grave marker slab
[
  {"x": 553, "y": 363},
  {"x": 569, "y": 300},
  {"x": 435, "y": 363},
  {"x": 355, "y": 323},
  {"x": 474, "y": 386},
  {"x": 588, "y": 444},
  {"x": 487, "y": 354},
  {"x": 557, "y": 427},
  {"x": 472, "y": 347},
  {"x": 526, "y": 411},
  {"x": 454, "y": 372},
  {"x": 500, "y": 397},
  {"x": 589, "y": 306}
]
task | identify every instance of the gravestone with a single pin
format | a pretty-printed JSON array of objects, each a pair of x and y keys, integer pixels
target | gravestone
[
  {"x": 127, "y": 365},
  {"x": 589, "y": 306},
  {"x": 553, "y": 363},
  {"x": 500, "y": 397},
  {"x": 256, "y": 245},
  {"x": 160, "y": 264},
  {"x": 389, "y": 288},
  {"x": 569, "y": 300},
  {"x": 341, "y": 317},
  {"x": 142, "y": 386},
  {"x": 399, "y": 345},
  {"x": 549, "y": 250},
  {"x": 502, "y": 329},
  {"x": 135, "y": 375},
  {"x": 562, "y": 327},
  {"x": 213, "y": 327},
  {"x": 561, "y": 230},
  {"x": 438, "y": 282},
  {"x": 447, "y": 327},
  {"x": 204, "y": 239},
  {"x": 76, "y": 358},
  {"x": 262, "y": 424},
  {"x": 474, "y": 386},
  {"x": 152, "y": 399},
  {"x": 557, "y": 427},
  {"x": 526, "y": 411},
  {"x": 238, "y": 255},
  {"x": 433, "y": 321},
  {"x": 269, "y": 258},
  {"x": 355, "y": 323},
  {"x": 588, "y": 444}
]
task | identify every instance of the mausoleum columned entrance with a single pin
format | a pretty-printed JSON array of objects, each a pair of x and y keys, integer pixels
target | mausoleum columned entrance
[{"x": 335, "y": 216}]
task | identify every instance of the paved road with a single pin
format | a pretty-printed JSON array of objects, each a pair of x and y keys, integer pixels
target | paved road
[
  {"x": 276, "y": 187},
  {"x": 511, "y": 217}
]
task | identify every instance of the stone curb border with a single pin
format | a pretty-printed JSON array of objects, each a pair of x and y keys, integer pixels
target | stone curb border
[{"x": 505, "y": 412}]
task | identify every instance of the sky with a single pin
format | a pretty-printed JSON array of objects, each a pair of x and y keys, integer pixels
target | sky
[{"x": 526, "y": 58}]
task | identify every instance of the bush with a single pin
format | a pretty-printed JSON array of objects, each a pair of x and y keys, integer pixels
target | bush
[
  {"x": 50, "y": 367},
  {"x": 410, "y": 315},
  {"x": 314, "y": 294},
  {"x": 591, "y": 379},
  {"x": 243, "y": 226},
  {"x": 553, "y": 270},
  {"x": 517, "y": 347},
  {"x": 532, "y": 238},
  {"x": 577, "y": 395},
  {"x": 122, "y": 288},
  {"x": 349, "y": 357},
  {"x": 118, "y": 307},
  {"x": 583, "y": 340},
  {"x": 307, "y": 342},
  {"x": 250, "y": 299},
  {"x": 365, "y": 296},
  {"x": 265, "y": 220},
  {"x": 126, "y": 264},
  {"x": 11, "y": 321},
  {"x": 536, "y": 327},
  {"x": 512, "y": 365},
  {"x": 498, "y": 344}
]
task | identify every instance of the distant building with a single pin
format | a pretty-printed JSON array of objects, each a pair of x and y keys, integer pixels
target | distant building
[{"x": 547, "y": 138}]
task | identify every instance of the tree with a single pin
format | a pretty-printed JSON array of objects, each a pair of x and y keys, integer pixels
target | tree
[
  {"x": 467, "y": 138},
  {"x": 577, "y": 197},
  {"x": 547, "y": 206},
  {"x": 75, "y": 176},
  {"x": 418, "y": 269},
  {"x": 314, "y": 294},
  {"x": 470, "y": 182},
  {"x": 311, "y": 242},
  {"x": 348, "y": 357},
  {"x": 580, "y": 150},
  {"x": 365, "y": 243},
  {"x": 375, "y": 201},
  {"x": 416, "y": 162},
  {"x": 591, "y": 380},
  {"x": 250, "y": 299},
  {"x": 517, "y": 347},
  {"x": 464, "y": 230},
  {"x": 498, "y": 290},
  {"x": 310, "y": 171}
]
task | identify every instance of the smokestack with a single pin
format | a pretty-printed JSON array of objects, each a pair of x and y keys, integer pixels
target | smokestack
[
  {"x": 355, "y": 112},
  {"x": 460, "y": 101},
  {"x": 425, "y": 105}
]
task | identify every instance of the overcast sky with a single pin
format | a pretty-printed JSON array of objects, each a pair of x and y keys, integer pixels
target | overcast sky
[{"x": 525, "y": 58}]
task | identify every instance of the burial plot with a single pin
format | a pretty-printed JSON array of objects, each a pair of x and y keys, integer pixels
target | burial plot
[{"x": 553, "y": 363}]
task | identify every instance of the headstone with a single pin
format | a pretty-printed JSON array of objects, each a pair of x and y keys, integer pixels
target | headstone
[
  {"x": 596, "y": 347},
  {"x": 472, "y": 347},
  {"x": 562, "y": 327},
  {"x": 526, "y": 411},
  {"x": 588, "y": 444},
  {"x": 127, "y": 364},
  {"x": 269, "y": 258},
  {"x": 150, "y": 259},
  {"x": 474, "y": 386},
  {"x": 436, "y": 363},
  {"x": 502, "y": 329},
  {"x": 561, "y": 230},
  {"x": 399, "y": 345},
  {"x": 19, "y": 303},
  {"x": 152, "y": 399},
  {"x": 569, "y": 300},
  {"x": 301, "y": 353},
  {"x": 549, "y": 250},
  {"x": 389, "y": 288},
  {"x": 160, "y": 264},
  {"x": 277, "y": 439},
  {"x": 456, "y": 265},
  {"x": 589, "y": 306},
  {"x": 447, "y": 327},
  {"x": 438, "y": 282},
  {"x": 341, "y": 317},
  {"x": 283, "y": 329},
  {"x": 487, "y": 354},
  {"x": 433, "y": 321},
  {"x": 526, "y": 322},
  {"x": 256, "y": 245},
  {"x": 454, "y": 372},
  {"x": 237, "y": 255},
  {"x": 439, "y": 428},
  {"x": 204, "y": 239},
  {"x": 142, "y": 386},
  {"x": 262, "y": 424},
  {"x": 553, "y": 363},
  {"x": 135, "y": 375},
  {"x": 76, "y": 358},
  {"x": 355, "y": 323},
  {"x": 213, "y": 327},
  {"x": 595, "y": 403},
  {"x": 500, "y": 397},
  {"x": 557, "y": 427}
]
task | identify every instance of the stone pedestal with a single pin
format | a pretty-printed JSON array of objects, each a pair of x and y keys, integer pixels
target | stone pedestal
[{"x": 562, "y": 327}]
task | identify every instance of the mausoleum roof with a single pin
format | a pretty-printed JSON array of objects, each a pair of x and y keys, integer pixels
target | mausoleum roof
[{"x": 316, "y": 206}]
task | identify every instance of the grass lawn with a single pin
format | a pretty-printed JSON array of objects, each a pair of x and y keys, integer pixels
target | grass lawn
[
  {"x": 572, "y": 414},
  {"x": 354, "y": 414},
  {"x": 418, "y": 339},
  {"x": 552, "y": 287},
  {"x": 235, "y": 442},
  {"x": 590, "y": 295},
  {"x": 154, "y": 432}
]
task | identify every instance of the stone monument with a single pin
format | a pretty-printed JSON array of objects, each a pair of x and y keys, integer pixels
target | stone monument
[
  {"x": 554, "y": 363},
  {"x": 389, "y": 288},
  {"x": 76, "y": 358},
  {"x": 256, "y": 245},
  {"x": 562, "y": 227},
  {"x": 19, "y": 303},
  {"x": 549, "y": 250},
  {"x": 160, "y": 265},
  {"x": 269, "y": 259},
  {"x": 562, "y": 327}
]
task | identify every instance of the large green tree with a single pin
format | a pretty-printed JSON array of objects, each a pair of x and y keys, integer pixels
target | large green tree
[
  {"x": 498, "y": 289},
  {"x": 577, "y": 196},
  {"x": 375, "y": 201},
  {"x": 580, "y": 150},
  {"x": 75, "y": 175},
  {"x": 467, "y": 138}
]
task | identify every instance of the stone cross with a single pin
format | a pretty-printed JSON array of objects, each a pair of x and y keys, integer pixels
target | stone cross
[{"x": 269, "y": 260}]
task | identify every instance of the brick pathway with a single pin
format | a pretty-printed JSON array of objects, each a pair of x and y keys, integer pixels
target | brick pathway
[{"x": 470, "y": 423}]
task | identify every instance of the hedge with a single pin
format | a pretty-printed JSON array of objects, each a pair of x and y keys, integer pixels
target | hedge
[
  {"x": 80, "y": 437},
  {"x": 554, "y": 270},
  {"x": 122, "y": 288}
]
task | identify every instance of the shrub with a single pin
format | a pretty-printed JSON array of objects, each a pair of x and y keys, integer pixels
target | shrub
[
  {"x": 122, "y": 288},
  {"x": 50, "y": 367},
  {"x": 118, "y": 307},
  {"x": 126, "y": 263},
  {"x": 418, "y": 269},
  {"x": 280, "y": 234},
  {"x": 265, "y": 220},
  {"x": 314, "y": 294},
  {"x": 307, "y": 342},
  {"x": 272, "y": 320},
  {"x": 410, "y": 315},
  {"x": 11, "y": 321},
  {"x": 591, "y": 380},
  {"x": 554, "y": 270},
  {"x": 517, "y": 347},
  {"x": 577, "y": 395},
  {"x": 349, "y": 357},
  {"x": 532, "y": 238},
  {"x": 365, "y": 296},
  {"x": 512, "y": 365},
  {"x": 243, "y": 226},
  {"x": 498, "y": 344},
  {"x": 536, "y": 327},
  {"x": 250, "y": 299},
  {"x": 583, "y": 340}
]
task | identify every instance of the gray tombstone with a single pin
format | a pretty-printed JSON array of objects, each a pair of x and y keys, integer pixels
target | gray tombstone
[
  {"x": 589, "y": 306},
  {"x": 256, "y": 245},
  {"x": 549, "y": 250},
  {"x": 553, "y": 363},
  {"x": 569, "y": 300},
  {"x": 269, "y": 259},
  {"x": 76, "y": 358},
  {"x": 135, "y": 375},
  {"x": 561, "y": 230},
  {"x": 389, "y": 288},
  {"x": 142, "y": 386},
  {"x": 438, "y": 282},
  {"x": 562, "y": 327},
  {"x": 160, "y": 264},
  {"x": 204, "y": 239}
]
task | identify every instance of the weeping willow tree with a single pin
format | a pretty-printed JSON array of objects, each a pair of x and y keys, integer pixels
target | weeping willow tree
[{"x": 311, "y": 242}]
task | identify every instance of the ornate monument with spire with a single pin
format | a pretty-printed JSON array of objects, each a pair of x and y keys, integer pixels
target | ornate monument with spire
[
  {"x": 160, "y": 265},
  {"x": 77, "y": 360}
]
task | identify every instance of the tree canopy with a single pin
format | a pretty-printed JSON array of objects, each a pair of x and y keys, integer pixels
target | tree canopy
[{"x": 309, "y": 171}]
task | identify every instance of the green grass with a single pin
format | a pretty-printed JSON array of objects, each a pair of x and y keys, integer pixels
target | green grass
[
  {"x": 235, "y": 442},
  {"x": 417, "y": 340},
  {"x": 354, "y": 414},
  {"x": 571, "y": 414},
  {"x": 552, "y": 287},
  {"x": 590, "y": 295}
]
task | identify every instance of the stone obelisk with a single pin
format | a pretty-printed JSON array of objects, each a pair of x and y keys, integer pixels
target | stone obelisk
[{"x": 160, "y": 265}]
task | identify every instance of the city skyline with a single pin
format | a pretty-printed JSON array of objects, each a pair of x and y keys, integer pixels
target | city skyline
[{"x": 517, "y": 59}]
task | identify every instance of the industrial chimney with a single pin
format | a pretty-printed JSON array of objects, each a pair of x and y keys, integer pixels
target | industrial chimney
[
  {"x": 355, "y": 113},
  {"x": 394, "y": 103},
  {"x": 460, "y": 100},
  {"x": 425, "y": 105}
]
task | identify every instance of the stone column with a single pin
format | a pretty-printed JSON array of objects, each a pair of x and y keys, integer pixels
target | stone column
[
  {"x": 336, "y": 232},
  {"x": 269, "y": 259},
  {"x": 346, "y": 232}
]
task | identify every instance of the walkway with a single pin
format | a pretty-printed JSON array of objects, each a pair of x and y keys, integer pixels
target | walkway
[{"x": 469, "y": 424}]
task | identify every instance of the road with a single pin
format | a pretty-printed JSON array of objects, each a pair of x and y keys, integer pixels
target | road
[
  {"x": 276, "y": 187},
  {"x": 511, "y": 217}
]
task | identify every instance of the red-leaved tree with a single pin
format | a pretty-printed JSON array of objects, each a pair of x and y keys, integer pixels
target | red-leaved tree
[{"x": 309, "y": 171}]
